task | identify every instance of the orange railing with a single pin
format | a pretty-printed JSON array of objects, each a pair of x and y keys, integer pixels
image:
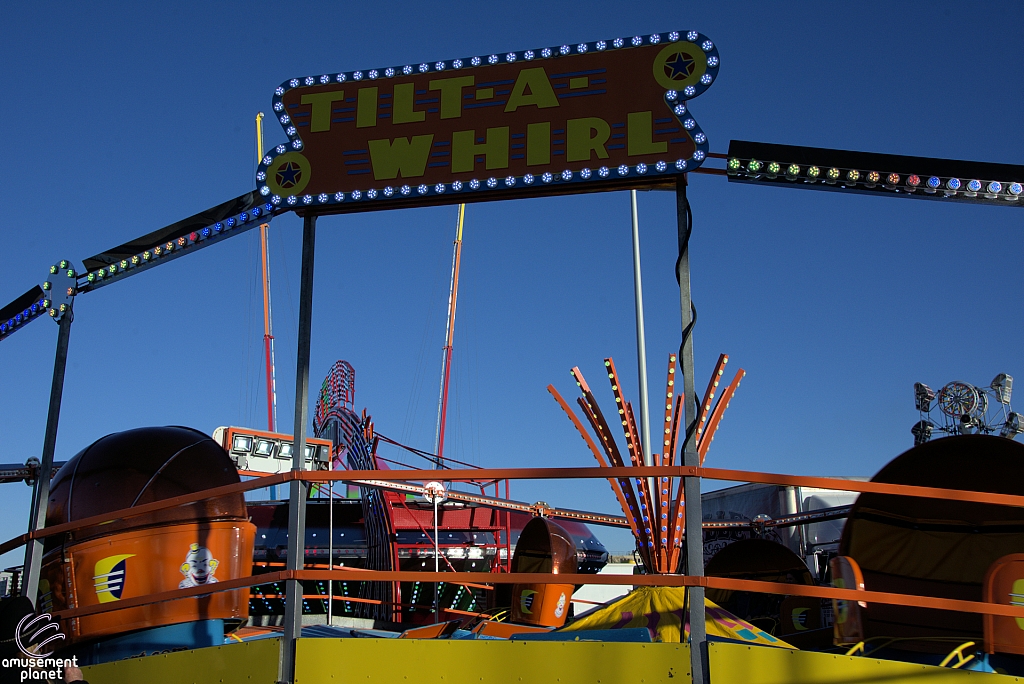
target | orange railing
[{"x": 470, "y": 578}]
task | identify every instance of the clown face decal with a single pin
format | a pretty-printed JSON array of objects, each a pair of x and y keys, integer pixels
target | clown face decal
[{"x": 198, "y": 567}]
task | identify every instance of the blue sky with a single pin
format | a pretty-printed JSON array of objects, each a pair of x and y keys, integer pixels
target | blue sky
[{"x": 122, "y": 118}]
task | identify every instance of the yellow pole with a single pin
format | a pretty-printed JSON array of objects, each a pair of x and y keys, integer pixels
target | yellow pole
[
  {"x": 259, "y": 137},
  {"x": 268, "y": 333}
]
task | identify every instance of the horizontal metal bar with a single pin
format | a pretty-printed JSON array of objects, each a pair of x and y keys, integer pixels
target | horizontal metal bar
[
  {"x": 659, "y": 182},
  {"x": 870, "y": 173},
  {"x": 208, "y": 217},
  {"x": 14, "y": 472},
  {"x": 722, "y": 474},
  {"x": 808, "y": 517},
  {"x": 84, "y": 285},
  {"x": 503, "y": 504},
  {"x": 874, "y": 161},
  {"x": 863, "y": 487},
  {"x": 35, "y": 296}
]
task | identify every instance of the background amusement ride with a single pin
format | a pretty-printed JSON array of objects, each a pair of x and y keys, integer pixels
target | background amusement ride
[{"x": 575, "y": 118}]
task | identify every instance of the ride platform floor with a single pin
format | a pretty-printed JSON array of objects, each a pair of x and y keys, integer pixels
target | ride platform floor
[{"x": 335, "y": 661}]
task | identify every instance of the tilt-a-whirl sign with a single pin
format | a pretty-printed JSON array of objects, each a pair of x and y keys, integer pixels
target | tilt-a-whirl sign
[{"x": 592, "y": 116}]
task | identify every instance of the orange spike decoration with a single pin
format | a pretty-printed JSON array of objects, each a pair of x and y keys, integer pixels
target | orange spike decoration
[{"x": 655, "y": 518}]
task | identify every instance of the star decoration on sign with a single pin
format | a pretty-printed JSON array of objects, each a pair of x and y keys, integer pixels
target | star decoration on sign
[
  {"x": 289, "y": 175},
  {"x": 680, "y": 66}
]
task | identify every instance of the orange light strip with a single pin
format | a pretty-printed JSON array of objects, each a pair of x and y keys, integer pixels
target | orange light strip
[
  {"x": 649, "y": 546},
  {"x": 588, "y": 404},
  {"x": 616, "y": 489},
  {"x": 704, "y": 439},
  {"x": 676, "y": 509},
  {"x": 709, "y": 395}
]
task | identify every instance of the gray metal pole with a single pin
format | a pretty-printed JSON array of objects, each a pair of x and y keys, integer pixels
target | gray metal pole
[
  {"x": 41, "y": 491},
  {"x": 691, "y": 485},
  {"x": 297, "y": 493},
  {"x": 437, "y": 564},
  {"x": 641, "y": 345},
  {"x": 330, "y": 547}
]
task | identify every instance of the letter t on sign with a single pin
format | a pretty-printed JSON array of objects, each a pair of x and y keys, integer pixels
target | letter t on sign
[
  {"x": 320, "y": 118},
  {"x": 451, "y": 94}
]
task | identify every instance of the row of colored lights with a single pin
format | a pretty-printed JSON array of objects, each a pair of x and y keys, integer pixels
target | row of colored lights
[
  {"x": 182, "y": 242},
  {"x": 508, "y": 58},
  {"x": 547, "y": 178},
  {"x": 910, "y": 183},
  {"x": 29, "y": 314},
  {"x": 44, "y": 306}
]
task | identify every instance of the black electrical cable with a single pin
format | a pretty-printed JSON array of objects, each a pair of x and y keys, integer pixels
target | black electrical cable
[{"x": 684, "y": 244}]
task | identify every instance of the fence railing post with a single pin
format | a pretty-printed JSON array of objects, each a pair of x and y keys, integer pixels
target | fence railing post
[
  {"x": 298, "y": 488},
  {"x": 41, "y": 491},
  {"x": 691, "y": 485}
]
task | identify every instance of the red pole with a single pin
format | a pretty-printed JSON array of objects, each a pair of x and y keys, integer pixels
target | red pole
[
  {"x": 267, "y": 336},
  {"x": 444, "y": 403},
  {"x": 442, "y": 411}
]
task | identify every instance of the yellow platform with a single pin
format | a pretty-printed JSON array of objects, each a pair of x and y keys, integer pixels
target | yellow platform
[{"x": 338, "y": 661}]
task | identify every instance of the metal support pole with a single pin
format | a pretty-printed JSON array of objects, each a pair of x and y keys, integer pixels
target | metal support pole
[
  {"x": 41, "y": 491},
  {"x": 330, "y": 548},
  {"x": 297, "y": 494},
  {"x": 641, "y": 345},
  {"x": 437, "y": 564},
  {"x": 691, "y": 485}
]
